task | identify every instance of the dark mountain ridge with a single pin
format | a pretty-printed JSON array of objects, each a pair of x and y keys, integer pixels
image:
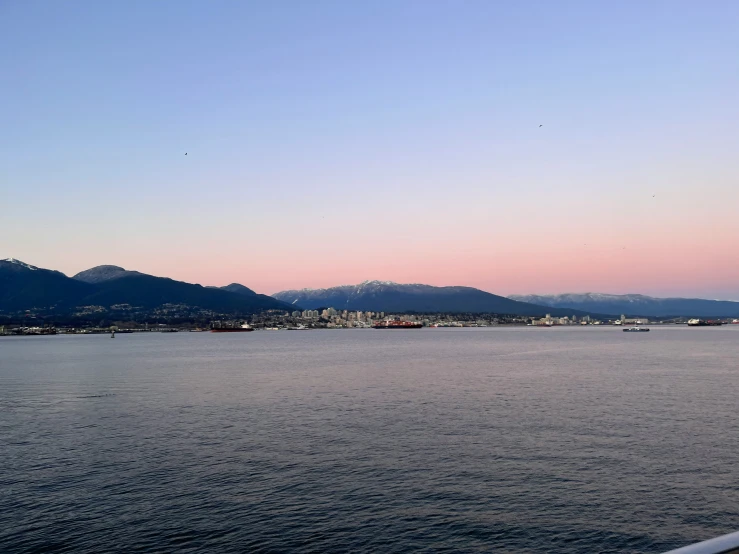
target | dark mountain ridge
[
  {"x": 26, "y": 287},
  {"x": 239, "y": 289},
  {"x": 149, "y": 292}
]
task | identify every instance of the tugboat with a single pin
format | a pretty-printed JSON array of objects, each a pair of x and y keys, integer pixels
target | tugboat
[
  {"x": 397, "y": 325},
  {"x": 636, "y": 330}
]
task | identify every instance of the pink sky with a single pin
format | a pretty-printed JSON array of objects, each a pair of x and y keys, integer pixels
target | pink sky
[
  {"x": 672, "y": 262},
  {"x": 565, "y": 151}
]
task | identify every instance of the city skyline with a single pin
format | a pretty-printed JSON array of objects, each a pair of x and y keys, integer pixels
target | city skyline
[{"x": 525, "y": 148}]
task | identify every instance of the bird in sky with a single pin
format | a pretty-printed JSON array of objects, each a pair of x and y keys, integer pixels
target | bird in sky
[
  {"x": 185, "y": 153},
  {"x": 541, "y": 125}
]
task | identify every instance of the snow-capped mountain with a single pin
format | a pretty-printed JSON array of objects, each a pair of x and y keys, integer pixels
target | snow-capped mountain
[
  {"x": 634, "y": 304},
  {"x": 386, "y": 296},
  {"x": 343, "y": 295},
  {"x": 12, "y": 262}
]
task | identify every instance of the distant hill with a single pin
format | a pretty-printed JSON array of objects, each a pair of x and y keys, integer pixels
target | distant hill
[
  {"x": 635, "y": 304},
  {"x": 239, "y": 289},
  {"x": 149, "y": 292},
  {"x": 385, "y": 296},
  {"x": 103, "y": 273},
  {"x": 25, "y": 287}
]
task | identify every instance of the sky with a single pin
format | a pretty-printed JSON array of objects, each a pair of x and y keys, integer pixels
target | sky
[{"x": 517, "y": 147}]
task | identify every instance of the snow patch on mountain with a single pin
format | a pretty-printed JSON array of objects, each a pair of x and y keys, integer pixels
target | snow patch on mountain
[
  {"x": 583, "y": 297},
  {"x": 633, "y": 304},
  {"x": 19, "y": 263}
]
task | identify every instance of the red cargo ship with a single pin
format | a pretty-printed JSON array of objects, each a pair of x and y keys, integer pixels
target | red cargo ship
[
  {"x": 397, "y": 325},
  {"x": 704, "y": 323}
]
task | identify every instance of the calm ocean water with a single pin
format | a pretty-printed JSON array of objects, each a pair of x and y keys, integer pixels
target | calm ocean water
[{"x": 438, "y": 440}]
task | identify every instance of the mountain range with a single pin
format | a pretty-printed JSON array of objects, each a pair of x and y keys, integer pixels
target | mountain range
[
  {"x": 386, "y": 296},
  {"x": 25, "y": 287},
  {"x": 635, "y": 304}
]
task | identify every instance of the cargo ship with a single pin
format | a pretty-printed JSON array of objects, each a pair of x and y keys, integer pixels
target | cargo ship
[
  {"x": 226, "y": 327},
  {"x": 704, "y": 323},
  {"x": 397, "y": 325}
]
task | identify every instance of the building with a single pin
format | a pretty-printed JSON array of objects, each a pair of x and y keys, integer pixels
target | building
[{"x": 328, "y": 313}]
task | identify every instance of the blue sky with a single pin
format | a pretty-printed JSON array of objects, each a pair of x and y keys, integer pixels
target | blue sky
[{"x": 335, "y": 142}]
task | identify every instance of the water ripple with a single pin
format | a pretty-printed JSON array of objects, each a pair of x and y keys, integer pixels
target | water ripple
[{"x": 441, "y": 441}]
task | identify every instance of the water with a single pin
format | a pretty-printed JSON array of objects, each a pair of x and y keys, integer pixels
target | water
[{"x": 438, "y": 440}]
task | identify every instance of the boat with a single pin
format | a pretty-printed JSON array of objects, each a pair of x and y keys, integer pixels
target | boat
[
  {"x": 397, "y": 325},
  {"x": 227, "y": 327},
  {"x": 636, "y": 330},
  {"x": 724, "y": 544},
  {"x": 704, "y": 323}
]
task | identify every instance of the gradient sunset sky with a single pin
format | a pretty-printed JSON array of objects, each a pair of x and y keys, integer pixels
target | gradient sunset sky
[{"x": 518, "y": 147}]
